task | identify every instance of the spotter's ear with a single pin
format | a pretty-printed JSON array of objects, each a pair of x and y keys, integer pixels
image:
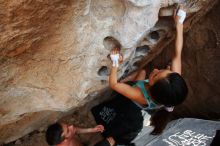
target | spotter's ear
[{"x": 64, "y": 141}]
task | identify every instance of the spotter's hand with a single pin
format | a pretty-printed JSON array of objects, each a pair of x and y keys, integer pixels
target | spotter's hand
[{"x": 99, "y": 128}]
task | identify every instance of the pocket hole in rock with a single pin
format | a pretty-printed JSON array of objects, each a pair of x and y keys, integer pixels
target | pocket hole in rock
[
  {"x": 126, "y": 71},
  {"x": 142, "y": 50},
  {"x": 103, "y": 71},
  {"x": 155, "y": 35},
  {"x": 110, "y": 43},
  {"x": 136, "y": 64}
]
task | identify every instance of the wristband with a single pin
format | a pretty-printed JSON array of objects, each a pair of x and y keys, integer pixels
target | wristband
[
  {"x": 182, "y": 15},
  {"x": 169, "y": 109},
  {"x": 114, "y": 59}
]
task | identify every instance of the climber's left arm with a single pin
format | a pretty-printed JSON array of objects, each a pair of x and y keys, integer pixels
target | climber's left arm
[{"x": 176, "y": 63}]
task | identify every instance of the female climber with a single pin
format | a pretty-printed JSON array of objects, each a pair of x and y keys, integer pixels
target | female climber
[
  {"x": 165, "y": 88},
  {"x": 122, "y": 117}
]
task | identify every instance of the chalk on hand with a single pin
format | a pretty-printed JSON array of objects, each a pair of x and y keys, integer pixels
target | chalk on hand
[
  {"x": 114, "y": 59},
  {"x": 182, "y": 15},
  {"x": 169, "y": 109}
]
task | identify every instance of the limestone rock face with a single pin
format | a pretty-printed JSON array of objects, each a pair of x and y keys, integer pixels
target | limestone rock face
[{"x": 54, "y": 53}]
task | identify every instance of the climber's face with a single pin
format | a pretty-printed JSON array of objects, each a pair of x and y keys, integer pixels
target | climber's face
[{"x": 158, "y": 74}]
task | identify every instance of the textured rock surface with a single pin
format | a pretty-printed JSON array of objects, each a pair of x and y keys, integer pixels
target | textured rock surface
[{"x": 51, "y": 53}]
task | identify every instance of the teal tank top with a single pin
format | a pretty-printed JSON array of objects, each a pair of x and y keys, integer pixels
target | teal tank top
[{"x": 150, "y": 104}]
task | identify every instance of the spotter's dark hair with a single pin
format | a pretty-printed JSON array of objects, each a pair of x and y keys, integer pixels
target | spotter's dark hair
[{"x": 54, "y": 134}]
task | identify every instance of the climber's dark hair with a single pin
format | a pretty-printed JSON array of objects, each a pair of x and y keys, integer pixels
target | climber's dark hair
[
  {"x": 159, "y": 120},
  {"x": 54, "y": 134},
  {"x": 170, "y": 91}
]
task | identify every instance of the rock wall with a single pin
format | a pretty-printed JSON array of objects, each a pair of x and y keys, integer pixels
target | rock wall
[{"x": 53, "y": 54}]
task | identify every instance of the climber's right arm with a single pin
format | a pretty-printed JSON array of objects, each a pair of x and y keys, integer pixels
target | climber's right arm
[{"x": 122, "y": 88}]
